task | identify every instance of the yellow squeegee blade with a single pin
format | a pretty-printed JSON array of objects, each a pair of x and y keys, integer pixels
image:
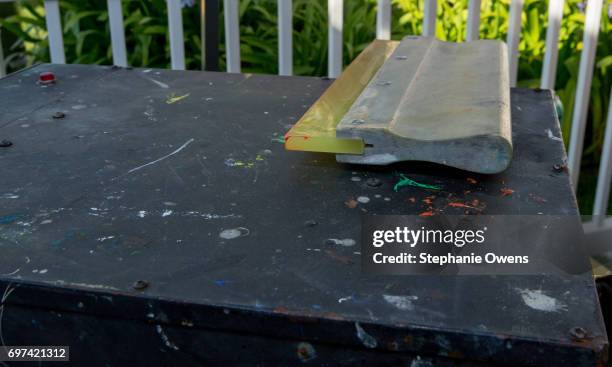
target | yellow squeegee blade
[{"x": 316, "y": 130}]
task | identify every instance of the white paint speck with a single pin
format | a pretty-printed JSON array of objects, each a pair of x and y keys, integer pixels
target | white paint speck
[
  {"x": 9, "y": 196},
  {"x": 79, "y": 107},
  {"x": 230, "y": 234},
  {"x": 550, "y": 135},
  {"x": 537, "y": 300},
  {"x": 363, "y": 199},
  {"x": 355, "y": 179},
  {"x": 166, "y": 213},
  {"x": 418, "y": 362},
  {"x": 346, "y": 242},
  {"x": 142, "y": 214},
  {"x": 368, "y": 340},
  {"x": 165, "y": 338},
  {"x": 403, "y": 303},
  {"x": 158, "y": 83}
]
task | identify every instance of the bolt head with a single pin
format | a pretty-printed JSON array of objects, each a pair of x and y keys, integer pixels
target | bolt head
[
  {"x": 578, "y": 333},
  {"x": 140, "y": 285},
  {"x": 5, "y": 143},
  {"x": 559, "y": 167},
  {"x": 373, "y": 182}
]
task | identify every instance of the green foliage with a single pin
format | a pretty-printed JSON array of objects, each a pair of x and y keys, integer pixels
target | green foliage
[{"x": 87, "y": 40}]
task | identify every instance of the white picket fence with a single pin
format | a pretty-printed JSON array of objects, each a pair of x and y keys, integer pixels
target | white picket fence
[{"x": 598, "y": 230}]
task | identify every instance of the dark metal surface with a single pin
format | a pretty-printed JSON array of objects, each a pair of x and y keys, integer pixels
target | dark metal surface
[
  {"x": 211, "y": 32},
  {"x": 111, "y": 221}
]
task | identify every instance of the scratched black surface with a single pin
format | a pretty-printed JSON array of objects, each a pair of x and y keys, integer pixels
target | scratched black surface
[{"x": 75, "y": 215}]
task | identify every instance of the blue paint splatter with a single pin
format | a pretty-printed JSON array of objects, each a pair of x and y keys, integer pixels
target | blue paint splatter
[
  {"x": 56, "y": 243},
  {"x": 220, "y": 282},
  {"x": 8, "y": 219}
]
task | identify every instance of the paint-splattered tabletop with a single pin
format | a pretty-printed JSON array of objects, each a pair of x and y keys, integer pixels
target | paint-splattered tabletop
[{"x": 171, "y": 193}]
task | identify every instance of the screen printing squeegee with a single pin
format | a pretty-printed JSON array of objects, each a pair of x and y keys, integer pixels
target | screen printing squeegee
[{"x": 421, "y": 100}]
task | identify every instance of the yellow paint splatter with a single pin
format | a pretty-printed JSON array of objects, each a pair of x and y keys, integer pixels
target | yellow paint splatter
[{"x": 174, "y": 98}]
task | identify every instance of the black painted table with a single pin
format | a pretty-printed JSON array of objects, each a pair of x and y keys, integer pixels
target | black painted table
[{"x": 161, "y": 222}]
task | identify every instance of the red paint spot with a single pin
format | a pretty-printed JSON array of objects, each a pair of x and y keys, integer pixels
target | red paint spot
[
  {"x": 428, "y": 213},
  {"x": 46, "y": 77},
  {"x": 506, "y": 191}
]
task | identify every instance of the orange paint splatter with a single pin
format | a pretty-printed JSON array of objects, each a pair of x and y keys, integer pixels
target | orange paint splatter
[
  {"x": 428, "y": 213},
  {"x": 343, "y": 259},
  {"x": 506, "y": 191},
  {"x": 471, "y": 180},
  {"x": 351, "y": 203},
  {"x": 412, "y": 200},
  {"x": 429, "y": 200}
]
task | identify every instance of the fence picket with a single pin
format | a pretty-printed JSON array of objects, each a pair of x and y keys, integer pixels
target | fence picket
[
  {"x": 175, "y": 29},
  {"x": 285, "y": 37},
  {"x": 602, "y": 193},
  {"x": 54, "y": 29},
  {"x": 514, "y": 36},
  {"x": 383, "y": 20},
  {"x": 583, "y": 87},
  {"x": 549, "y": 69},
  {"x": 2, "y": 61},
  {"x": 115, "y": 19},
  {"x": 232, "y": 35},
  {"x": 335, "y": 12},
  {"x": 429, "y": 18},
  {"x": 473, "y": 22}
]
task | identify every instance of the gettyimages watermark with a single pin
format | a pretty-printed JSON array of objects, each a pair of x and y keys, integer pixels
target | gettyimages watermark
[{"x": 468, "y": 244}]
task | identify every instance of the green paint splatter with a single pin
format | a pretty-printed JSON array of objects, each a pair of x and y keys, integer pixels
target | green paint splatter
[
  {"x": 230, "y": 162},
  {"x": 279, "y": 139},
  {"x": 405, "y": 181}
]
